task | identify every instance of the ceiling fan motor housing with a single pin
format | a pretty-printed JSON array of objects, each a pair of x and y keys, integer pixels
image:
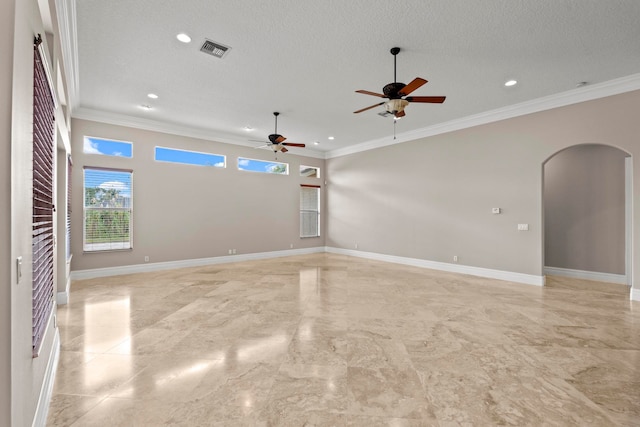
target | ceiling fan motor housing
[
  {"x": 392, "y": 90},
  {"x": 274, "y": 137}
]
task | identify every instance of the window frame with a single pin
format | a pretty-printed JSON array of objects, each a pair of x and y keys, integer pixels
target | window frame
[
  {"x": 285, "y": 173},
  {"x": 85, "y": 209},
  {"x": 85, "y": 137},
  {"x": 155, "y": 154},
  {"x": 317, "y": 168},
  {"x": 306, "y": 211}
]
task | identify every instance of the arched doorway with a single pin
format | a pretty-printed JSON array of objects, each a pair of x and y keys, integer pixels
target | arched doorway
[{"x": 586, "y": 194}]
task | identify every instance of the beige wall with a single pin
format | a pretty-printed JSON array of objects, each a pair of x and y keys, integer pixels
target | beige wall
[
  {"x": 584, "y": 200},
  {"x": 184, "y": 212},
  {"x": 431, "y": 198},
  {"x": 7, "y": 13},
  {"x": 22, "y": 377}
]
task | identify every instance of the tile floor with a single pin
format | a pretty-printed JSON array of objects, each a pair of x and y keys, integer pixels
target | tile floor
[{"x": 323, "y": 339}]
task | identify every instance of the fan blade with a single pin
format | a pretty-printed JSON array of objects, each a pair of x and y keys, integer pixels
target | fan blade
[
  {"x": 283, "y": 149},
  {"x": 260, "y": 140},
  {"x": 415, "y": 84},
  {"x": 400, "y": 114},
  {"x": 366, "y": 92},
  {"x": 368, "y": 108},
  {"x": 426, "y": 99},
  {"x": 293, "y": 144},
  {"x": 267, "y": 146},
  {"x": 279, "y": 139}
]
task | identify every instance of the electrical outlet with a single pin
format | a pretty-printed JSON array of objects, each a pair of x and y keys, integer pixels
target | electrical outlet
[
  {"x": 291, "y": 246},
  {"x": 356, "y": 246},
  {"x": 234, "y": 251},
  {"x": 146, "y": 258},
  {"x": 455, "y": 258},
  {"x": 230, "y": 251}
]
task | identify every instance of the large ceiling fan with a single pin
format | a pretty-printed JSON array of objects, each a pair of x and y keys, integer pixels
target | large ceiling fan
[
  {"x": 397, "y": 92},
  {"x": 276, "y": 141}
]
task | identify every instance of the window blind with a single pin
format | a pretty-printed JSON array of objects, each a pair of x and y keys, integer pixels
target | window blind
[
  {"x": 68, "y": 222},
  {"x": 108, "y": 209},
  {"x": 309, "y": 210},
  {"x": 43, "y": 207}
]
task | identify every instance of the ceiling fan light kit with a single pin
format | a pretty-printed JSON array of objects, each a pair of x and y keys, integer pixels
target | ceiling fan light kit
[{"x": 276, "y": 141}]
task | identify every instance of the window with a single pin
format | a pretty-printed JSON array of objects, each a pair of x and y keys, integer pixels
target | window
[
  {"x": 173, "y": 155},
  {"x": 309, "y": 210},
  {"x": 107, "y": 147},
  {"x": 309, "y": 171},
  {"x": 68, "y": 222},
  {"x": 107, "y": 209},
  {"x": 252, "y": 165},
  {"x": 43, "y": 207}
]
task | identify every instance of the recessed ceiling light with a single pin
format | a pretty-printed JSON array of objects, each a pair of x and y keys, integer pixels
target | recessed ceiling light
[
  {"x": 248, "y": 128},
  {"x": 510, "y": 83},
  {"x": 331, "y": 138},
  {"x": 152, "y": 95},
  {"x": 183, "y": 38},
  {"x": 145, "y": 107}
]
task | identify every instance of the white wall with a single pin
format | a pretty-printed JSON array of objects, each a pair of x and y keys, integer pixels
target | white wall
[
  {"x": 7, "y": 13},
  {"x": 184, "y": 212},
  {"x": 431, "y": 198},
  {"x": 584, "y": 209}
]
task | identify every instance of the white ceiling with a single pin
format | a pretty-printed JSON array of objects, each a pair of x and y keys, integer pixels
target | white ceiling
[{"x": 306, "y": 58}]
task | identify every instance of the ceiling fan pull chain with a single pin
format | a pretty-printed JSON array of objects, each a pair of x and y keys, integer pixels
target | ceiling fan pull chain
[{"x": 394, "y": 128}]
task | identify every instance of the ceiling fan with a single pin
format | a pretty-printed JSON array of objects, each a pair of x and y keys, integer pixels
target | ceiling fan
[
  {"x": 276, "y": 141},
  {"x": 397, "y": 93}
]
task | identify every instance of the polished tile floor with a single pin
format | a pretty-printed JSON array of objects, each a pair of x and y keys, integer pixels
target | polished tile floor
[{"x": 324, "y": 339}]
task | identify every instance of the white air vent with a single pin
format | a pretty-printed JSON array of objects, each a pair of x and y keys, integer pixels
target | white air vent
[{"x": 213, "y": 48}]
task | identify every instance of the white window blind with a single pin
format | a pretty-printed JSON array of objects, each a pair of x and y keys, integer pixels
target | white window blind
[
  {"x": 309, "y": 211},
  {"x": 108, "y": 209}
]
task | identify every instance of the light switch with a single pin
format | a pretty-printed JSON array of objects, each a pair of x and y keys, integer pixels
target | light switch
[
  {"x": 18, "y": 270},
  {"x": 496, "y": 210}
]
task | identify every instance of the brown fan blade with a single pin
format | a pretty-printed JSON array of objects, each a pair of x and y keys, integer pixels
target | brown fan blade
[
  {"x": 368, "y": 108},
  {"x": 366, "y": 92},
  {"x": 427, "y": 99},
  {"x": 293, "y": 144},
  {"x": 400, "y": 114},
  {"x": 284, "y": 150},
  {"x": 415, "y": 84},
  {"x": 279, "y": 139}
]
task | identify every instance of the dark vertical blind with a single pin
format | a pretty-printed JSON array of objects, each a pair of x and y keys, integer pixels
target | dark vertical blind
[{"x": 43, "y": 140}]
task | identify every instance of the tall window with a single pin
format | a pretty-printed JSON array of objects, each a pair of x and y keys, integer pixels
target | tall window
[
  {"x": 44, "y": 106},
  {"x": 108, "y": 209},
  {"x": 309, "y": 210}
]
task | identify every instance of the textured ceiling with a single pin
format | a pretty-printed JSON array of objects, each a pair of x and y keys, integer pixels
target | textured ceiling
[{"x": 306, "y": 58}]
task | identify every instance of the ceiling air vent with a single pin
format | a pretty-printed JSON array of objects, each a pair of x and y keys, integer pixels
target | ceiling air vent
[{"x": 213, "y": 48}]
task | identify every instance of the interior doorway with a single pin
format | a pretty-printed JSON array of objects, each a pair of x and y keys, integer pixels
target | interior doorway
[{"x": 586, "y": 208}]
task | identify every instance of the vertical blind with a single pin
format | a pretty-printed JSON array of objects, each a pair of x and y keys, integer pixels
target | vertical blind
[
  {"x": 43, "y": 207},
  {"x": 108, "y": 213},
  {"x": 309, "y": 210}
]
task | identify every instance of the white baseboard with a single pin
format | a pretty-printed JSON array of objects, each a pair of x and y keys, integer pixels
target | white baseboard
[
  {"x": 586, "y": 275},
  {"x": 62, "y": 298},
  {"x": 158, "y": 266},
  {"x": 42, "y": 410},
  {"x": 635, "y": 294},
  {"x": 528, "y": 279}
]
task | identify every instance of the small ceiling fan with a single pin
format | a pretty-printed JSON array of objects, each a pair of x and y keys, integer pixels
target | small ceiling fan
[
  {"x": 397, "y": 92},
  {"x": 276, "y": 141}
]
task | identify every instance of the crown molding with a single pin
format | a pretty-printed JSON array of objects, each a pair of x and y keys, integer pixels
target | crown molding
[
  {"x": 66, "y": 13},
  {"x": 175, "y": 129},
  {"x": 575, "y": 96}
]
